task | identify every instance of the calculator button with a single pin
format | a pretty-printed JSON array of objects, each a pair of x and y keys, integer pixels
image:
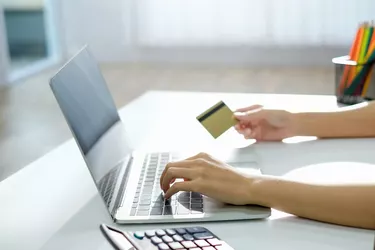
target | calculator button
[
  {"x": 223, "y": 247},
  {"x": 177, "y": 237},
  {"x": 139, "y": 235},
  {"x": 203, "y": 236},
  {"x": 181, "y": 231},
  {"x": 167, "y": 239},
  {"x": 188, "y": 237},
  {"x": 176, "y": 245},
  {"x": 214, "y": 242},
  {"x": 188, "y": 244},
  {"x": 209, "y": 248},
  {"x": 163, "y": 246},
  {"x": 160, "y": 233},
  {"x": 150, "y": 233},
  {"x": 194, "y": 230},
  {"x": 201, "y": 243},
  {"x": 156, "y": 240},
  {"x": 170, "y": 232}
]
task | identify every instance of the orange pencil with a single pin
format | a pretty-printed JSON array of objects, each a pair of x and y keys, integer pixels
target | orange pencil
[
  {"x": 343, "y": 82},
  {"x": 353, "y": 70}
]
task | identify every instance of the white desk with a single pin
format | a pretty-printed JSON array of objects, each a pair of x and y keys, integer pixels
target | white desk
[{"x": 53, "y": 203}]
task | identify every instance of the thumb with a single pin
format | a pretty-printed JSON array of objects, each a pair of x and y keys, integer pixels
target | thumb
[{"x": 252, "y": 116}]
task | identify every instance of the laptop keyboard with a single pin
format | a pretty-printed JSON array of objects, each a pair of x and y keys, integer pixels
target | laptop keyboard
[
  {"x": 108, "y": 183},
  {"x": 148, "y": 199}
]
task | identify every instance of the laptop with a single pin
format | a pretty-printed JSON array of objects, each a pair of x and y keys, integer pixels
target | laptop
[{"x": 128, "y": 179}]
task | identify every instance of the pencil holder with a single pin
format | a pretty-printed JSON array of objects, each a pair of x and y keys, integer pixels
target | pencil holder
[{"x": 354, "y": 82}]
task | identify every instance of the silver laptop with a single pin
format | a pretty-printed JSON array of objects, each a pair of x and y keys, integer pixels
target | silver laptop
[{"x": 128, "y": 180}]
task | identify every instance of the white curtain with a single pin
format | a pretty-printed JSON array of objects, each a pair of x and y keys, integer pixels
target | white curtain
[{"x": 249, "y": 22}]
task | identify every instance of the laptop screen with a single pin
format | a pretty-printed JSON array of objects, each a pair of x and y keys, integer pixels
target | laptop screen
[{"x": 88, "y": 107}]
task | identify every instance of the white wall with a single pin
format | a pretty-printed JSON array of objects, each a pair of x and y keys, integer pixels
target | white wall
[
  {"x": 101, "y": 24},
  {"x": 268, "y": 31}
]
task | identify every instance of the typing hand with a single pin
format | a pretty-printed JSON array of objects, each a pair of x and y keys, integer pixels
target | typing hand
[
  {"x": 208, "y": 176},
  {"x": 254, "y": 122}
]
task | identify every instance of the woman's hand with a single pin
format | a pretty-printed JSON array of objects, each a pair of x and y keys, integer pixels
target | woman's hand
[
  {"x": 254, "y": 122},
  {"x": 208, "y": 176}
]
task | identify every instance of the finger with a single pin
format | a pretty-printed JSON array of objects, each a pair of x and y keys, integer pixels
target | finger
[
  {"x": 177, "y": 164},
  {"x": 174, "y": 173},
  {"x": 177, "y": 187},
  {"x": 252, "y": 107},
  {"x": 256, "y": 133}
]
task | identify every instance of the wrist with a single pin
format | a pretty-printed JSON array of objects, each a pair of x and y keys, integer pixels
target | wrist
[
  {"x": 258, "y": 190},
  {"x": 298, "y": 124}
]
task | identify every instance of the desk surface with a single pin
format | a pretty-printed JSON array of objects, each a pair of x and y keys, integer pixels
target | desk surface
[{"x": 53, "y": 203}]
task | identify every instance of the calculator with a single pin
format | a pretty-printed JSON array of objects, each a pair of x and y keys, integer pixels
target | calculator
[{"x": 190, "y": 238}]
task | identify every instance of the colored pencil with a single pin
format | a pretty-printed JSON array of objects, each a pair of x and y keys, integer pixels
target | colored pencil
[
  {"x": 353, "y": 70},
  {"x": 344, "y": 79}
]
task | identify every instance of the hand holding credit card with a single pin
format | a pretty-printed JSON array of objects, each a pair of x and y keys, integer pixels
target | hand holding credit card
[{"x": 217, "y": 119}]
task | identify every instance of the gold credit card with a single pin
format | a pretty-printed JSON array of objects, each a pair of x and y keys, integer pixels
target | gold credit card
[{"x": 217, "y": 119}]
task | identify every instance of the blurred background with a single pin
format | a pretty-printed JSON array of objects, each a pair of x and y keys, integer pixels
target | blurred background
[{"x": 269, "y": 46}]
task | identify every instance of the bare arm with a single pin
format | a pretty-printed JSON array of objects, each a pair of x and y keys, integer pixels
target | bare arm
[
  {"x": 349, "y": 205},
  {"x": 358, "y": 121}
]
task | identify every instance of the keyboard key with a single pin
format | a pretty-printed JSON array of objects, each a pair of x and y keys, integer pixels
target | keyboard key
[
  {"x": 160, "y": 233},
  {"x": 198, "y": 211},
  {"x": 194, "y": 230},
  {"x": 181, "y": 210},
  {"x": 157, "y": 211},
  {"x": 157, "y": 204},
  {"x": 156, "y": 240},
  {"x": 168, "y": 210},
  {"x": 196, "y": 206},
  {"x": 188, "y": 237},
  {"x": 177, "y": 237},
  {"x": 214, "y": 242},
  {"x": 181, "y": 231},
  {"x": 201, "y": 243},
  {"x": 139, "y": 235},
  {"x": 167, "y": 239},
  {"x": 133, "y": 212},
  {"x": 195, "y": 200},
  {"x": 145, "y": 202},
  {"x": 209, "y": 248},
  {"x": 176, "y": 245},
  {"x": 163, "y": 246},
  {"x": 188, "y": 244},
  {"x": 142, "y": 213},
  {"x": 150, "y": 233},
  {"x": 203, "y": 236},
  {"x": 195, "y": 195},
  {"x": 170, "y": 232},
  {"x": 143, "y": 207},
  {"x": 184, "y": 199}
]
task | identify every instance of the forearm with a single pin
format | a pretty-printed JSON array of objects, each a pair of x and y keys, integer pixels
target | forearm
[
  {"x": 351, "y": 205},
  {"x": 357, "y": 122}
]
